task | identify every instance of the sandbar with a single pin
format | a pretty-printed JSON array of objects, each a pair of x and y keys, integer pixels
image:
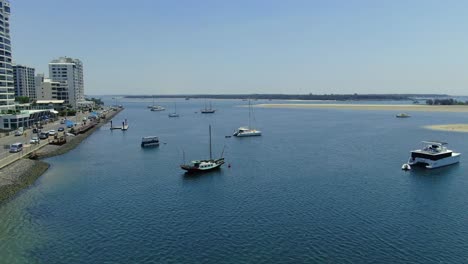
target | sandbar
[
  {"x": 450, "y": 127},
  {"x": 373, "y": 107}
]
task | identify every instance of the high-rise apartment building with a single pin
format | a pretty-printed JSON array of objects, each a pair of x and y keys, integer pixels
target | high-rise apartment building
[
  {"x": 23, "y": 77},
  {"x": 7, "y": 91},
  {"x": 69, "y": 73}
]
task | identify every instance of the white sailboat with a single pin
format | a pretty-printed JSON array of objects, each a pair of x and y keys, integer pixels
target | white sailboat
[
  {"x": 247, "y": 131},
  {"x": 204, "y": 165},
  {"x": 175, "y": 114}
]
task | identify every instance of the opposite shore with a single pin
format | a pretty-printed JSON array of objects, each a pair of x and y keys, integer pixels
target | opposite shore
[
  {"x": 397, "y": 108},
  {"x": 24, "y": 172}
]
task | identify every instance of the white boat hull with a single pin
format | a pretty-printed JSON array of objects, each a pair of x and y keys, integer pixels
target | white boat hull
[
  {"x": 248, "y": 134},
  {"x": 432, "y": 164}
]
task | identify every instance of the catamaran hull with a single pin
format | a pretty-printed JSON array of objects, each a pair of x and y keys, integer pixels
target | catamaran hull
[{"x": 432, "y": 164}]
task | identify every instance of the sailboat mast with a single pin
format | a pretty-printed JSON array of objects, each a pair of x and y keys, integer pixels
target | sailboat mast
[
  {"x": 210, "y": 143},
  {"x": 249, "y": 114}
]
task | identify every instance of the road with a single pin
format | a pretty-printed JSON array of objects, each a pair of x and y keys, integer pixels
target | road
[{"x": 6, "y": 141}]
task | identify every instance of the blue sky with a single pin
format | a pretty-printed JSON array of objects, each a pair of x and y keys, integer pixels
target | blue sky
[{"x": 250, "y": 46}]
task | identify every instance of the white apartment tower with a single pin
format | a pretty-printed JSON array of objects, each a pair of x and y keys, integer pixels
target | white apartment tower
[
  {"x": 7, "y": 90},
  {"x": 23, "y": 77},
  {"x": 69, "y": 73}
]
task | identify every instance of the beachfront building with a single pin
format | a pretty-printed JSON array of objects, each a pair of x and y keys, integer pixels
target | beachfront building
[
  {"x": 7, "y": 90},
  {"x": 69, "y": 73},
  {"x": 23, "y": 81}
]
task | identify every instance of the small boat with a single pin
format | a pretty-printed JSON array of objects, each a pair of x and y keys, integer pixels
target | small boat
[
  {"x": 155, "y": 108},
  {"x": 207, "y": 110},
  {"x": 175, "y": 114},
  {"x": 150, "y": 141},
  {"x": 187, "y": 98},
  {"x": 406, "y": 167},
  {"x": 247, "y": 131},
  {"x": 402, "y": 115},
  {"x": 433, "y": 155},
  {"x": 204, "y": 165}
]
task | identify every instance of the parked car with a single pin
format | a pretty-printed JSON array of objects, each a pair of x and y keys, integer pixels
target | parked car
[
  {"x": 16, "y": 147},
  {"x": 19, "y": 132},
  {"x": 62, "y": 121},
  {"x": 34, "y": 140},
  {"x": 60, "y": 129},
  {"x": 35, "y": 130},
  {"x": 44, "y": 135},
  {"x": 52, "y": 132}
]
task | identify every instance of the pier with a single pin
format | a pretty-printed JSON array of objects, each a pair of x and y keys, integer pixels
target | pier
[{"x": 123, "y": 127}]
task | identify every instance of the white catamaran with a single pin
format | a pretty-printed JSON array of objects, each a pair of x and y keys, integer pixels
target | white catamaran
[
  {"x": 247, "y": 131},
  {"x": 156, "y": 107},
  {"x": 434, "y": 154}
]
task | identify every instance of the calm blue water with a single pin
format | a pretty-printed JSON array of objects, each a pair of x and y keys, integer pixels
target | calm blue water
[{"x": 321, "y": 186}]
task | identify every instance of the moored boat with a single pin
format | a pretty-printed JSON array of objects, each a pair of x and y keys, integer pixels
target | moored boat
[
  {"x": 204, "y": 165},
  {"x": 434, "y": 154},
  {"x": 402, "y": 115},
  {"x": 207, "y": 110},
  {"x": 247, "y": 131},
  {"x": 150, "y": 141}
]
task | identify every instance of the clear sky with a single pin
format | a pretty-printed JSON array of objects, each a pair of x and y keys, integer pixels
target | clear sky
[{"x": 250, "y": 46}]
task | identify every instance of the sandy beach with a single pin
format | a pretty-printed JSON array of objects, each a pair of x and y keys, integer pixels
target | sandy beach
[
  {"x": 450, "y": 127},
  {"x": 371, "y": 107}
]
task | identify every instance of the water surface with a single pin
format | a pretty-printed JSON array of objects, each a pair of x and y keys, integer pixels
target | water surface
[{"x": 320, "y": 185}]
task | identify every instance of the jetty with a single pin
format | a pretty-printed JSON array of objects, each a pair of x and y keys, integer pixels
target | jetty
[{"x": 123, "y": 127}]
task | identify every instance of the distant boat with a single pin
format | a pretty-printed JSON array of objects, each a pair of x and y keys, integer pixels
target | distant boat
[
  {"x": 175, "y": 114},
  {"x": 187, "y": 98},
  {"x": 434, "y": 154},
  {"x": 402, "y": 115},
  {"x": 204, "y": 165},
  {"x": 150, "y": 141},
  {"x": 156, "y": 107},
  {"x": 207, "y": 110},
  {"x": 247, "y": 131}
]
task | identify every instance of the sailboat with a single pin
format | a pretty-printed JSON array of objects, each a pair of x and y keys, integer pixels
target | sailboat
[
  {"x": 156, "y": 107},
  {"x": 247, "y": 131},
  {"x": 204, "y": 165},
  {"x": 207, "y": 110},
  {"x": 175, "y": 114}
]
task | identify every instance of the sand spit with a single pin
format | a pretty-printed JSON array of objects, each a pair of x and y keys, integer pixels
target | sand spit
[
  {"x": 371, "y": 107},
  {"x": 450, "y": 127}
]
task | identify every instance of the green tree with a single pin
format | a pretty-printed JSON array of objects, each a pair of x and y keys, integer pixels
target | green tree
[{"x": 22, "y": 99}]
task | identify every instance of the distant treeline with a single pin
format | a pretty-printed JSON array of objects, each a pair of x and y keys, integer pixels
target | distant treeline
[
  {"x": 448, "y": 101},
  {"x": 337, "y": 97}
]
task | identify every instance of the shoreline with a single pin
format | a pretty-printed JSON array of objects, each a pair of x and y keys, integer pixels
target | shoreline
[
  {"x": 24, "y": 172},
  {"x": 372, "y": 107}
]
